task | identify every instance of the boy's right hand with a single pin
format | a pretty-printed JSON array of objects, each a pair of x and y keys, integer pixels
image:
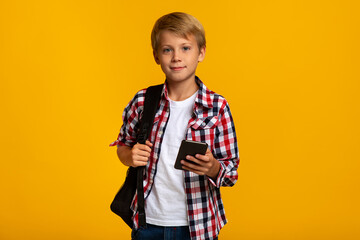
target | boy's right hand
[{"x": 140, "y": 154}]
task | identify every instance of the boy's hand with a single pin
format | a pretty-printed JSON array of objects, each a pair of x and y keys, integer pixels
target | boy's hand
[
  {"x": 140, "y": 154},
  {"x": 205, "y": 164}
]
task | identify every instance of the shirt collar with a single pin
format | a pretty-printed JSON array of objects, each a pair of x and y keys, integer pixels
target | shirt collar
[{"x": 204, "y": 96}]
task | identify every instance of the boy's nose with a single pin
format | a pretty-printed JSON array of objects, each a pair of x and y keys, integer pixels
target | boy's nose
[{"x": 176, "y": 56}]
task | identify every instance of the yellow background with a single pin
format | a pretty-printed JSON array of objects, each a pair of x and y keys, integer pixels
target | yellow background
[{"x": 290, "y": 70}]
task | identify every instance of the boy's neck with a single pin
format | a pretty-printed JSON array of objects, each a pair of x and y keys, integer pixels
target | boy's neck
[{"x": 179, "y": 91}]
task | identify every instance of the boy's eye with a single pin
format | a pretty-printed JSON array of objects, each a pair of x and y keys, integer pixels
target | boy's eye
[
  {"x": 186, "y": 48},
  {"x": 166, "y": 50}
]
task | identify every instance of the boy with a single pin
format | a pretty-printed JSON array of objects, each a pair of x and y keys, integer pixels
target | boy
[{"x": 181, "y": 204}]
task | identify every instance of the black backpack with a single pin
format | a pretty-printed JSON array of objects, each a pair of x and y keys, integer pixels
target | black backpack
[{"x": 134, "y": 177}]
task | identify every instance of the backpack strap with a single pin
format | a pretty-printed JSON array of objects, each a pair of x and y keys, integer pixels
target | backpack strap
[{"x": 152, "y": 99}]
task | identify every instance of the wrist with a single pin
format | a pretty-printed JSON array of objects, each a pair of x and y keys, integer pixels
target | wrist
[{"x": 215, "y": 171}]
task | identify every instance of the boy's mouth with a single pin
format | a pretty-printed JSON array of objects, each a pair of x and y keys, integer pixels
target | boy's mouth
[{"x": 176, "y": 68}]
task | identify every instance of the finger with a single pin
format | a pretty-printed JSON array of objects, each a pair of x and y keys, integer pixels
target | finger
[
  {"x": 139, "y": 163},
  {"x": 194, "y": 165},
  {"x": 140, "y": 158},
  {"x": 204, "y": 158},
  {"x": 199, "y": 165},
  {"x": 199, "y": 172},
  {"x": 142, "y": 147},
  {"x": 148, "y": 143},
  {"x": 141, "y": 152},
  {"x": 193, "y": 159}
]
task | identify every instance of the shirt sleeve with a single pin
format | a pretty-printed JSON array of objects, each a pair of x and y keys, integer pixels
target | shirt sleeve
[
  {"x": 226, "y": 150},
  {"x": 131, "y": 115}
]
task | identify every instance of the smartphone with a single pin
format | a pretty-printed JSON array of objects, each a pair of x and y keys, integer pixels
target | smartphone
[{"x": 189, "y": 147}]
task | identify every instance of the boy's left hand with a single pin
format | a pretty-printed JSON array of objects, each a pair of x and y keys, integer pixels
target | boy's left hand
[{"x": 205, "y": 164}]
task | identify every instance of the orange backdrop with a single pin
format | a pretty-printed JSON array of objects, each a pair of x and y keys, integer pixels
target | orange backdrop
[{"x": 290, "y": 70}]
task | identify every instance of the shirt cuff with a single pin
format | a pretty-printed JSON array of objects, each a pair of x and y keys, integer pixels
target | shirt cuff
[{"x": 117, "y": 143}]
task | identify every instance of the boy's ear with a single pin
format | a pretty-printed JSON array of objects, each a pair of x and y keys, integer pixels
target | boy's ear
[
  {"x": 202, "y": 54},
  {"x": 156, "y": 57}
]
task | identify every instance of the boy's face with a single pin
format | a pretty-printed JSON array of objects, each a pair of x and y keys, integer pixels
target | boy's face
[{"x": 178, "y": 56}]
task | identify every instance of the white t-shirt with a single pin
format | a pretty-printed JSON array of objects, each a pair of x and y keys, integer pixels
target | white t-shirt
[{"x": 166, "y": 204}]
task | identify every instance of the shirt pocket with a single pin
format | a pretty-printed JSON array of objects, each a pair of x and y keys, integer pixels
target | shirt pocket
[
  {"x": 203, "y": 129},
  {"x": 205, "y": 123}
]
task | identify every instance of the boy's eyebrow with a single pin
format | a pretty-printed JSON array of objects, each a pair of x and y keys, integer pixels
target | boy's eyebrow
[{"x": 169, "y": 45}]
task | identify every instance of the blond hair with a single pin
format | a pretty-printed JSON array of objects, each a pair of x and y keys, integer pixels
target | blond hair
[{"x": 181, "y": 24}]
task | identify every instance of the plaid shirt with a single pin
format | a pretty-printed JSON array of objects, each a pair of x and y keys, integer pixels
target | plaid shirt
[{"x": 211, "y": 123}]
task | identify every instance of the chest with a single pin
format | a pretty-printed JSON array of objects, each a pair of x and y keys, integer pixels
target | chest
[{"x": 196, "y": 125}]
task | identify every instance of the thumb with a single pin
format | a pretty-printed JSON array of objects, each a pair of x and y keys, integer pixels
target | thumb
[{"x": 148, "y": 143}]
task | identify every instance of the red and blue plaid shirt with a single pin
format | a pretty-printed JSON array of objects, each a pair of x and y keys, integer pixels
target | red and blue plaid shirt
[{"x": 212, "y": 123}]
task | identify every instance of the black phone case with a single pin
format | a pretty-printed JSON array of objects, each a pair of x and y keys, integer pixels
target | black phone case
[{"x": 189, "y": 147}]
